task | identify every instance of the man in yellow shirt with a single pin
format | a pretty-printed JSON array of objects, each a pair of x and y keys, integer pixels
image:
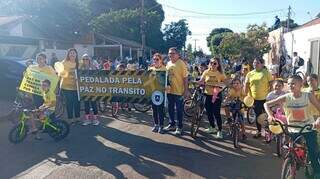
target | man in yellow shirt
[{"x": 178, "y": 87}]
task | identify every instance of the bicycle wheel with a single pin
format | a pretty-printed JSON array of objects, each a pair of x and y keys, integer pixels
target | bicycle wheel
[
  {"x": 189, "y": 107},
  {"x": 115, "y": 109},
  {"x": 288, "y": 169},
  {"x": 18, "y": 133},
  {"x": 279, "y": 143},
  {"x": 195, "y": 122},
  {"x": 236, "y": 136},
  {"x": 59, "y": 110},
  {"x": 251, "y": 116},
  {"x": 308, "y": 170},
  {"x": 142, "y": 107},
  {"x": 62, "y": 130}
]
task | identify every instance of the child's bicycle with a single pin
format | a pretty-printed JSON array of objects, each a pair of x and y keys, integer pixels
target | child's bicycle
[
  {"x": 57, "y": 129},
  {"x": 296, "y": 155}
]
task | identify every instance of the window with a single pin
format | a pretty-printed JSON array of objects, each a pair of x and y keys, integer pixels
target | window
[{"x": 315, "y": 56}]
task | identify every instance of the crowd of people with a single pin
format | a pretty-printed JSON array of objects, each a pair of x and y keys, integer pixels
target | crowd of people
[{"x": 300, "y": 106}]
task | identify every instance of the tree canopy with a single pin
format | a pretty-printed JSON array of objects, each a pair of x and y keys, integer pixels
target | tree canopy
[{"x": 175, "y": 34}]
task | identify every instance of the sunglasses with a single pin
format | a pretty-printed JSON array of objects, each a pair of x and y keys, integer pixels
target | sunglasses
[
  {"x": 156, "y": 59},
  {"x": 213, "y": 63}
]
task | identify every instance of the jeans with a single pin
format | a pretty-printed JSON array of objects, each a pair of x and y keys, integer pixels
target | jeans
[
  {"x": 72, "y": 103},
  {"x": 158, "y": 114},
  {"x": 258, "y": 109},
  {"x": 175, "y": 101},
  {"x": 213, "y": 111},
  {"x": 93, "y": 105}
]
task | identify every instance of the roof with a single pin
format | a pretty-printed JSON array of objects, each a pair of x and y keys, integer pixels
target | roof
[
  {"x": 310, "y": 23},
  {"x": 8, "y": 20}
]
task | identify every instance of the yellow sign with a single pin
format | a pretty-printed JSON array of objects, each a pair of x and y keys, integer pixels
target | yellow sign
[
  {"x": 31, "y": 82},
  {"x": 122, "y": 86}
]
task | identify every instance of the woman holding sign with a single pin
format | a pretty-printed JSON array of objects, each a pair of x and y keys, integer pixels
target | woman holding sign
[
  {"x": 41, "y": 67},
  {"x": 68, "y": 84},
  {"x": 158, "y": 110}
]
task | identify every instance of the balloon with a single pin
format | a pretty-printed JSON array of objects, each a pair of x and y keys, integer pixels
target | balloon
[
  {"x": 58, "y": 66},
  {"x": 248, "y": 101}
]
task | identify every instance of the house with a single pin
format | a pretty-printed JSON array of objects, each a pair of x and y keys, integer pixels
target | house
[{"x": 305, "y": 40}]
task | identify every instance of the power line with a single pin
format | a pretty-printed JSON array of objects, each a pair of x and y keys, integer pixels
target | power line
[{"x": 214, "y": 14}]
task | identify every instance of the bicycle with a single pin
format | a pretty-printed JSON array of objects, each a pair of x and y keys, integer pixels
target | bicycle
[
  {"x": 237, "y": 120},
  {"x": 56, "y": 129},
  {"x": 199, "y": 103},
  {"x": 296, "y": 155}
]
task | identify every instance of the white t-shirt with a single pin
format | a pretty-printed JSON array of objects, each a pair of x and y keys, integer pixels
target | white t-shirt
[
  {"x": 273, "y": 68},
  {"x": 295, "y": 61}
]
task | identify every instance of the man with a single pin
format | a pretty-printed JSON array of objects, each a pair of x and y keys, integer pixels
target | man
[
  {"x": 295, "y": 61},
  {"x": 178, "y": 87}
]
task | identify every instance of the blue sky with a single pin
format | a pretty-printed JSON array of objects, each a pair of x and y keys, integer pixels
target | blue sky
[{"x": 201, "y": 25}]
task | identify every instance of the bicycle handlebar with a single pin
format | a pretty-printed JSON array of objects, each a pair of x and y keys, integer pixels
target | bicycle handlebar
[{"x": 285, "y": 127}]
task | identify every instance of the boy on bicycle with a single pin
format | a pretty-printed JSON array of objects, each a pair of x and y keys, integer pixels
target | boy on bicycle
[
  {"x": 47, "y": 109},
  {"x": 297, "y": 106}
]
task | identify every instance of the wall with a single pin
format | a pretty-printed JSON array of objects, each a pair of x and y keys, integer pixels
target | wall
[
  {"x": 299, "y": 41},
  {"x": 84, "y": 49}
]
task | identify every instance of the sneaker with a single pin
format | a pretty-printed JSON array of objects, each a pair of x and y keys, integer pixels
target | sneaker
[
  {"x": 178, "y": 131},
  {"x": 170, "y": 128},
  {"x": 211, "y": 130},
  {"x": 257, "y": 135},
  {"x": 160, "y": 130},
  {"x": 86, "y": 122},
  {"x": 155, "y": 128},
  {"x": 219, "y": 135},
  {"x": 95, "y": 122}
]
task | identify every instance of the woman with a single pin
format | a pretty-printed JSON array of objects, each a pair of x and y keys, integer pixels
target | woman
[
  {"x": 68, "y": 85},
  {"x": 158, "y": 110},
  {"x": 42, "y": 67},
  {"x": 87, "y": 64},
  {"x": 257, "y": 85},
  {"x": 213, "y": 76}
]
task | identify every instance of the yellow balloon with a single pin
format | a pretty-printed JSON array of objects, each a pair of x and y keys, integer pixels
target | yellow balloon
[
  {"x": 248, "y": 101},
  {"x": 262, "y": 119},
  {"x": 275, "y": 128},
  {"x": 58, "y": 66}
]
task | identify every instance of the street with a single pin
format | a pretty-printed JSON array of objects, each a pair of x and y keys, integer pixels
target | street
[{"x": 126, "y": 148}]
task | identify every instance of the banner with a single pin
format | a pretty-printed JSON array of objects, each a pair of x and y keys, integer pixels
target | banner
[
  {"x": 122, "y": 86},
  {"x": 32, "y": 78}
]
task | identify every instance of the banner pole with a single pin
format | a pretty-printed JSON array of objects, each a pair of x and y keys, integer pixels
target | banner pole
[
  {"x": 165, "y": 91},
  {"x": 77, "y": 82}
]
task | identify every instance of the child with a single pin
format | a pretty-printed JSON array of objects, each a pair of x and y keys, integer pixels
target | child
[
  {"x": 87, "y": 64},
  {"x": 234, "y": 93},
  {"x": 277, "y": 91},
  {"x": 47, "y": 108},
  {"x": 297, "y": 105}
]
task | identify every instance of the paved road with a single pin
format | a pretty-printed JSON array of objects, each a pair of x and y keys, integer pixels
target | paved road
[{"x": 126, "y": 148}]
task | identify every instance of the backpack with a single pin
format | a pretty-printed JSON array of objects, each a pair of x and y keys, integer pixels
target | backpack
[{"x": 300, "y": 61}]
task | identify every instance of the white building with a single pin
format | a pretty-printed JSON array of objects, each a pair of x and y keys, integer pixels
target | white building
[{"x": 305, "y": 40}]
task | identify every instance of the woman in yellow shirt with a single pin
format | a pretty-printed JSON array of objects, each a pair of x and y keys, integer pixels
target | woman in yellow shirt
[
  {"x": 213, "y": 76},
  {"x": 158, "y": 110},
  {"x": 257, "y": 84},
  {"x": 68, "y": 84}
]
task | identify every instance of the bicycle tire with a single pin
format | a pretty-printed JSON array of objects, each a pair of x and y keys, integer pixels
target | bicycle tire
[
  {"x": 308, "y": 170},
  {"x": 235, "y": 135},
  {"x": 63, "y": 130},
  {"x": 195, "y": 123},
  {"x": 288, "y": 168},
  {"x": 188, "y": 107},
  {"x": 279, "y": 142},
  {"x": 115, "y": 109},
  {"x": 251, "y": 116},
  {"x": 18, "y": 133},
  {"x": 142, "y": 107}
]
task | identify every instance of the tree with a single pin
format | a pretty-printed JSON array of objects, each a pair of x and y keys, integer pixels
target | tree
[
  {"x": 189, "y": 52},
  {"x": 254, "y": 43},
  {"x": 175, "y": 34},
  {"x": 215, "y": 37},
  {"x": 318, "y": 15}
]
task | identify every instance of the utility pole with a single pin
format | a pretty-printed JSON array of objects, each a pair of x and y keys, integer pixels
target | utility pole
[
  {"x": 288, "y": 20},
  {"x": 142, "y": 29},
  {"x": 195, "y": 44}
]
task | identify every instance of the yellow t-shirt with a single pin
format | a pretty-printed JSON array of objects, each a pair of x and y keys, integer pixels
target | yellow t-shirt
[
  {"x": 46, "y": 69},
  {"x": 259, "y": 83},
  {"x": 212, "y": 78},
  {"x": 162, "y": 68},
  {"x": 68, "y": 80},
  {"x": 236, "y": 94},
  {"x": 177, "y": 72},
  {"x": 49, "y": 99},
  {"x": 313, "y": 109}
]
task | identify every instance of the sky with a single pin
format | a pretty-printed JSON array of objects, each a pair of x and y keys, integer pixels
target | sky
[{"x": 206, "y": 15}]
